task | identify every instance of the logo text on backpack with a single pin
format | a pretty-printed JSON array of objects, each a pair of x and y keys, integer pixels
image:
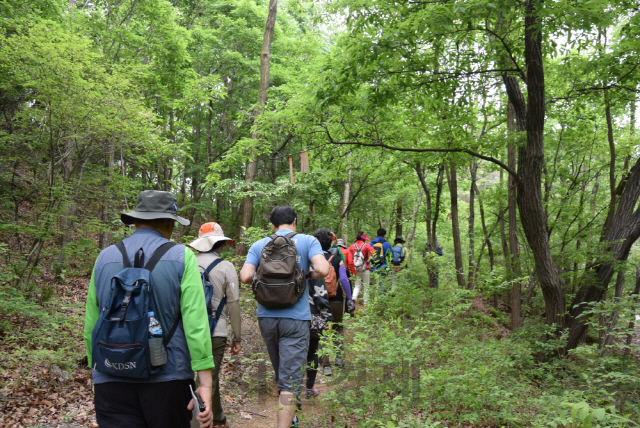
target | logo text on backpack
[{"x": 120, "y": 366}]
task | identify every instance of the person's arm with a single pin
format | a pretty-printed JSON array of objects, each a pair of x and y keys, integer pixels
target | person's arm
[
  {"x": 196, "y": 330},
  {"x": 92, "y": 313},
  {"x": 320, "y": 267},
  {"x": 250, "y": 264},
  {"x": 345, "y": 281},
  {"x": 233, "y": 304},
  {"x": 206, "y": 384}
]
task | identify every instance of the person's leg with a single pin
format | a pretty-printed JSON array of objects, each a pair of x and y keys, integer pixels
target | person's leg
[
  {"x": 394, "y": 280},
  {"x": 366, "y": 279},
  {"x": 356, "y": 288},
  {"x": 270, "y": 333},
  {"x": 337, "y": 309},
  {"x": 312, "y": 361},
  {"x": 218, "y": 345},
  {"x": 164, "y": 404},
  {"x": 383, "y": 283},
  {"x": 118, "y": 405},
  {"x": 293, "y": 349}
]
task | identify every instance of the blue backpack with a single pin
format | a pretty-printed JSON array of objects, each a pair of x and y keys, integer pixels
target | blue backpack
[
  {"x": 397, "y": 251},
  {"x": 120, "y": 338},
  {"x": 208, "y": 296}
]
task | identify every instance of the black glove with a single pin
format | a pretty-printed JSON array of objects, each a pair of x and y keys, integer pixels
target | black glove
[{"x": 350, "y": 306}]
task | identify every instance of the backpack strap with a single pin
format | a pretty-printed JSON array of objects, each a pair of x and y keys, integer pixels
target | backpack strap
[
  {"x": 153, "y": 261},
  {"x": 211, "y": 266},
  {"x": 157, "y": 255},
  {"x": 125, "y": 257},
  {"x": 220, "y": 307},
  {"x": 123, "y": 308}
]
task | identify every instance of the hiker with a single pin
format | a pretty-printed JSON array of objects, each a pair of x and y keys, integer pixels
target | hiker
[
  {"x": 321, "y": 316},
  {"x": 360, "y": 253},
  {"x": 348, "y": 258},
  {"x": 380, "y": 259},
  {"x": 339, "y": 293},
  {"x": 129, "y": 392},
  {"x": 398, "y": 259},
  {"x": 226, "y": 295},
  {"x": 285, "y": 330}
]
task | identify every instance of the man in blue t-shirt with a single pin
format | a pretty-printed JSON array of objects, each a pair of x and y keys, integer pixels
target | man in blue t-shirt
[{"x": 286, "y": 331}]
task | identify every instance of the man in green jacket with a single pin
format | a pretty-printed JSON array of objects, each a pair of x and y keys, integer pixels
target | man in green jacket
[{"x": 162, "y": 399}]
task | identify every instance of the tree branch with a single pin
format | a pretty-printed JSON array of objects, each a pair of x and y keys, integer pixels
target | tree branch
[{"x": 417, "y": 150}]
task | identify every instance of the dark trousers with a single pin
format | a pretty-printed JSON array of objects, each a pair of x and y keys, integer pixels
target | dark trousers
[
  {"x": 218, "y": 346},
  {"x": 143, "y": 405},
  {"x": 337, "y": 310},
  {"x": 312, "y": 361}
]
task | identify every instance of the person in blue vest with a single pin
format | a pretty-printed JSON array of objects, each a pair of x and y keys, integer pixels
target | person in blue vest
[
  {"x": 398, "y": 259},
  {"x": 380, "y": 260},
  {"x": 162, "y": 399}
]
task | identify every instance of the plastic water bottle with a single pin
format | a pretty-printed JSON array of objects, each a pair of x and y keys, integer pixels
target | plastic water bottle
[
  {"x": 158, "y": 353},
  {"x": 155, "y": 329}
]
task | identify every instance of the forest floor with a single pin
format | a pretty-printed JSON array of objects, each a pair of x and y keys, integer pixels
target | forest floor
[{"x": 35, "y": 393}]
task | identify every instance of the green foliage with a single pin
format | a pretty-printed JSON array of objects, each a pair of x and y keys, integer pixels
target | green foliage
[
  {"x": 429, "y": 357},
  {"x": 45, "y": 334}
]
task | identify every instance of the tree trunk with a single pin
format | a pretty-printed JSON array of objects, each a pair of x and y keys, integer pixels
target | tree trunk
[
  {"x": 399, "y": 219},
  {"x": 487, "y": 238},
  {"x": 105, "y": 234},
  {"x": 635, "y": 293},
  {"x": 345, "y": 203},
  {"x": 622, "y": 232},
  {"x": 414, "y": 218},
  {"x": 252, "y": 163},
  {"x": 436, "y": 211},
  {"x": 420, "y": 172},
  {"x": 515, "y": 294},
  {"x": 530, "y": 163},
  {"x": 472, "y": 225},
  {"x": 455, "y": 227}
]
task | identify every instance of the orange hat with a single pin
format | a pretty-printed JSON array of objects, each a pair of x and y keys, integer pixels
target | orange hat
[{"x": 208, "y": 235}]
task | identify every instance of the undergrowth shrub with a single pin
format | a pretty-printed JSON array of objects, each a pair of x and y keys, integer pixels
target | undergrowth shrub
[
  {"x": 425, "y": 357},
  {"x": 32, "y": 333}
]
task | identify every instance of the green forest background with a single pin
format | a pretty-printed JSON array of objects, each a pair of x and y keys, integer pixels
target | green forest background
[{"x": 502, "y": 130}]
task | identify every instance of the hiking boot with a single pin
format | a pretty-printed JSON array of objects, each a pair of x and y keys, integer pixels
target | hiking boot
[
  {"x": 339, "y": 362},
  {"x": 221, "y": 425},
  {"x": 311, "y": 392},
  {"x": 326, "y": 371},
  {"x": 295, "y": 423}
]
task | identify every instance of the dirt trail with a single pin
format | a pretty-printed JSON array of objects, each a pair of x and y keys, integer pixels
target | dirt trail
[
  {"x": 260, "y": 412},
  {"x": 249, "y": 393}
]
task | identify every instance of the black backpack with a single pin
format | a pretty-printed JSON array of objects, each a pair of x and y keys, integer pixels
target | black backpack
[
  {"x": 120, "y": 338},
  {"x": 208, "y": 296},
  {"x": 279, "y": 282}
]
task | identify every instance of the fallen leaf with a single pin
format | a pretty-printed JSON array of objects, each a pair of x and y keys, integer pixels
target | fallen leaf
[
  {"x": 245, "y": 415},
  {"x": 45, "y": 402}
]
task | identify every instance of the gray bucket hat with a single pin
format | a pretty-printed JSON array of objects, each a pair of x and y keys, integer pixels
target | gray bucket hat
[{"x": 154, "y": 204}]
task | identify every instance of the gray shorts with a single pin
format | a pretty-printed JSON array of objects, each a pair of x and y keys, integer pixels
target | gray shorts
[{"x": 287, "y": 343}]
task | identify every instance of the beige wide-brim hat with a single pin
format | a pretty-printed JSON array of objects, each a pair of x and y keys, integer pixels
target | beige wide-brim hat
[{"x": 208, "y": 235}]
